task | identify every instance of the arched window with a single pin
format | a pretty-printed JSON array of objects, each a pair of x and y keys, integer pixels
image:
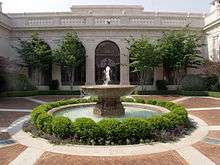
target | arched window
[{"x": 107, "y": 53}]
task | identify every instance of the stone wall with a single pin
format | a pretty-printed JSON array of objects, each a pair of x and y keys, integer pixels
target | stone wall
[{"x": 94, "y": 24}]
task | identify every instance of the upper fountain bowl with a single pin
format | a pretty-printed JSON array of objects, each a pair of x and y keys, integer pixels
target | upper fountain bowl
[{"x": 108, "y": 91}]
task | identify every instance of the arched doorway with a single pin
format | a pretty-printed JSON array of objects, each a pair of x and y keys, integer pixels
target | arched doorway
[{"x": 107, "y": 53}]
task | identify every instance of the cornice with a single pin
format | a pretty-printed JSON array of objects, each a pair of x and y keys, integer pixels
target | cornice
[
  {"x": 124, "y": 28},
  {"x": 212, "y": 25}
]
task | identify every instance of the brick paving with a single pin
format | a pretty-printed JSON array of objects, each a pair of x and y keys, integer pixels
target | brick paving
[
  {"x": 4, "y": 136},
  {"x": 200, "y": 103},
  {"x": 17, "y": 103},
  {"x": 54, "y": 97},
  {"x": 165, "y": 158},
  {"x": 163, "y": 98},
  {"x": 214, "y": 134},
  {"x": 7, "y": 154},
  {"x": 209, "y": 150},
  {"x": 7, "y": 118},
  {"x": 211, "y": 117}
]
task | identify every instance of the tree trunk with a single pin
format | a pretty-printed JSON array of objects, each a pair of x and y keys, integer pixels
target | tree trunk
[
  {"x": 72, "y": 79},
  {"x": 39, "y": 76},
  {"x": 185, "y": 71},
  {"x": 142, "y": 81}
]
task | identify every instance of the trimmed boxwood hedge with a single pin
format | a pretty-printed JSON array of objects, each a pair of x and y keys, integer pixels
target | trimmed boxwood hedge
[
  {"x": 111, "y": 131},
  {"x": 36, "y": 92}
]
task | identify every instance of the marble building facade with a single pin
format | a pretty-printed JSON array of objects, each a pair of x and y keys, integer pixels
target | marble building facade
[{"x": 101, "y": 24}]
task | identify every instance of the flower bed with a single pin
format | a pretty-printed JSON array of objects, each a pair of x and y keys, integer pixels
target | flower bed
[{"x": 164, "y": 127}]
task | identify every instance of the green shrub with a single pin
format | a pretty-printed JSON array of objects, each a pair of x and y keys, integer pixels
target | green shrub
[
  {"x": 43, "y": 123},
  {"x": 156, "y": 92},
  {"x": 61, "y": 127},
  {"x": 161, "y": 85},
  {"x": 54, "y": 85},
  {"x": 136, "y": 129},
  {"x": 214, "y": 94},
  {"x": 112, "y": 130},
  {"x": 193, "y": 93},
  {"x": 127, "y": 99},
  {"x": 18, "y": 82},
  {"x": 152, "y": 102},
  {"x": 35, "y": 92},
  {"x": 169, "y": 105},
  {"x": 194, "y": 83},
  {"x": 86, "y": 129},
  {"x": 140, "y": 100},
  {"x": 36, "y": 112},
  {"x": 215, "y": 87},
  {"x": 212, "y": 83},
  {"x": 158, "y": 123},
  {"x": 58, "y": 92}
]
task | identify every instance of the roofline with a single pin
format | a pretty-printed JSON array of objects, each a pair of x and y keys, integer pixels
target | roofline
[{"x": 107, "y": 6}]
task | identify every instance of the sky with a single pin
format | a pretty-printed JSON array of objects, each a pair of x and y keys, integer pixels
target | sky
[{"x": 12, "y": 6}]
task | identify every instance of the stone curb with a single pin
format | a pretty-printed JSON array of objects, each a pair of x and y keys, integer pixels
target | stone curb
[
  {"x": 129, "y": 150},
  {"x": 145, "y": 106}
]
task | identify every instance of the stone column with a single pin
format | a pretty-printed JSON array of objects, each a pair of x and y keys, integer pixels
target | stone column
[
  {"x": 124, "y": 67},
  {"x": 90, "y": 63},
  {"x": 158, "y": 74},
  {"x": 0, "y": 7},
  {"x": 56, "y": 73}
]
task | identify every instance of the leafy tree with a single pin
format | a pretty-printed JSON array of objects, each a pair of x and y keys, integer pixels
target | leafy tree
[
  {"x": 143, "y": 57},
  {"x": 70, "y": 54},
  {"x": 36, "y": 54},
  {"x": 180, "y": 50}
]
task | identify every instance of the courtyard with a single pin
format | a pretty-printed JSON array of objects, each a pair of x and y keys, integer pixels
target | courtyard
[
  {"x": 110, "y": 85},
  {"x": 203, "y": 149}
]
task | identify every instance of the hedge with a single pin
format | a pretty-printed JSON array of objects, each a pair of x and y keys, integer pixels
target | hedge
[
  {"x": 57, "y": 92},
  {"x": 36, "y": 92},
  {"x": 109, "y": 131},
  {"x": 199, "y": 93}
]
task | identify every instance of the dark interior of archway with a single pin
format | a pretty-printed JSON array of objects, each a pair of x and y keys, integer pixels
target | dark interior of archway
[{"x": 107, "y": 54}]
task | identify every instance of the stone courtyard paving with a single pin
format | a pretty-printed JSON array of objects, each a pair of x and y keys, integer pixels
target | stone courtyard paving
[{"x": 206, "y": 151}]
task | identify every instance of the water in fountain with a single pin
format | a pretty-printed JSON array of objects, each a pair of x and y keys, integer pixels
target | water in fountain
[
  {"x": 107, "y": 75},
  {"x": 87, "y": 111}
]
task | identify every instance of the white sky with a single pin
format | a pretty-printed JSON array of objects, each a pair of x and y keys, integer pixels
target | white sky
[{"x": 64, "y": 5}]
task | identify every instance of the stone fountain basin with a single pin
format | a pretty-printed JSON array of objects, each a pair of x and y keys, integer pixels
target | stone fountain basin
[{"x": 109, "y": 91}]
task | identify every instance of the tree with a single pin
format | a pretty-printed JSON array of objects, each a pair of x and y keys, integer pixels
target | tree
[
  {"x": 143, "y": 57},
  {"x": 36, "y": 54},
  {"x": 70, "y": 54},
  {"x": 180, "y": 50}
]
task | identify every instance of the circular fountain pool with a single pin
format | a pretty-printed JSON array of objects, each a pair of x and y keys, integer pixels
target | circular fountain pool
[{"x": 87, "y": 111}]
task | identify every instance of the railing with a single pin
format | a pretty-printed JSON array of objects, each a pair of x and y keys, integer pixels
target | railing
[
  {"x": 107, "y": 21},
  {"x": 57, "y": 21},
  {"x": 72, "y": 21},
  {"x": 40, "y": 22},
  {"x": 142, "y": 21}
]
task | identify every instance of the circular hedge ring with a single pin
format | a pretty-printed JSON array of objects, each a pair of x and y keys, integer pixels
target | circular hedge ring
[{"x": 165, "y": 127}]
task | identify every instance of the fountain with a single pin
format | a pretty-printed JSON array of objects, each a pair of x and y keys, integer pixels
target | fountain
[{"x": 109, "y": 104}]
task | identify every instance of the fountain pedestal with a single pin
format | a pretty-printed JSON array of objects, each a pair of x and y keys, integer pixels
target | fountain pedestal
[
  {"x": 109, "y": 104},
  {"x": 107, "y": 107}
]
